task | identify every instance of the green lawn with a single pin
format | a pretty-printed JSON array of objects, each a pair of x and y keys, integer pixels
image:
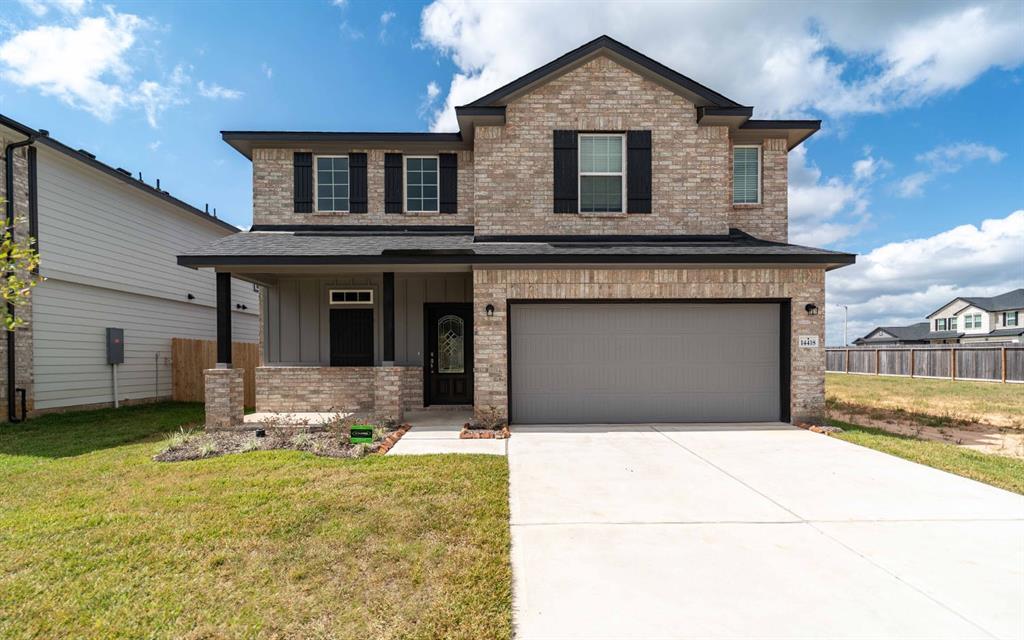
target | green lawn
[
  {"x": 97, "y": 540},
  {"x": 999, "y": 471},
  {"x": 934, "y": 402}
]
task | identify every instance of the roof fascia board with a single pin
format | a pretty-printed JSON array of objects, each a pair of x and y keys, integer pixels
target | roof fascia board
[
  {"x": 628, "y": 57},
  {"x": 829, "y": 261},
  {"x": 245, "y": 141}
]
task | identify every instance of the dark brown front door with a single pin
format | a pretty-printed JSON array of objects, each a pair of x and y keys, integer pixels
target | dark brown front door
[
  {"x": 351, "y": 337},
  {"x": 448, "y": 362}
]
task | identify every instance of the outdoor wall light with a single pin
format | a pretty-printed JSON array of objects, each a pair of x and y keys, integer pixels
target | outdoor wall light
[
  {"x": 811, "y": 309},
  {"x": 489, "y": 310}
]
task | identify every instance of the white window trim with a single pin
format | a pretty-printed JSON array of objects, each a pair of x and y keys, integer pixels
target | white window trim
[
  {"x": 331, "y": 292},
  {"x": 405, "y": 185},
  {"x": 580, "y": 173},
  {"x": 316, "y": 186},
  {"x": 760, "y": 166},
  {"x": 1016, "y": 318}
]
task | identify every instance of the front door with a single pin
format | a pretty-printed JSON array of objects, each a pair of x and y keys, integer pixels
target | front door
[
  {"x": 351, "y": 337},
  {"x": 448, "y": 362}
]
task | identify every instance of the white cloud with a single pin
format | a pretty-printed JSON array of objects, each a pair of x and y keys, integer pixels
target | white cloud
[
  {"x": 216, "y": 92},
  {"x": 869, "y": 168},
  {"x": 267, "y": 70},
  {"x": 900, "y": 282},
  {"x": 429, "y": 98},
  {"x": 385, "y": 20},
  {"x": 41, "y": 7},
  {"x": 831, "y": 58},
  {"x": 825, "y": 211},
  {"x": 951, "y": 157},
  {"x": 153, "y": 146},
  {"x": 86, "y": 66},
  {"x": 912, "y": 186},
  {"x": 945, "y": 159}
]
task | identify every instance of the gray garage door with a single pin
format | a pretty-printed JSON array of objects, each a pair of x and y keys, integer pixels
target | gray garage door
[{"x": 629, "y": 363}]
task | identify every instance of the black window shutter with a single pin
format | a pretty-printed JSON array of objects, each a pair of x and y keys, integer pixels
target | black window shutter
[
  {"x": 357, "y": 183},
  {"x": 566, "y": 172},
  {"x": 448, "y": 195},
  {"x": 392, "y": 183},
  {"x": 638, "y": 171},
  {"x": 303, "y": 162}
]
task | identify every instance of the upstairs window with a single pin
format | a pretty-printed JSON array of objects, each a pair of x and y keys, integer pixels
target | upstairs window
[
  {"x": 1010, "y": 319},
  {"x": 972, "y": 321},
  {"x": 602, "y": 172},
  {"x": 951, "y": 325},
  {"x": 940, "y": 324},
  {"x": 746, "y": 175},
  {"x": 332, "y": 183},
  {"x": 421, "y": 184}
]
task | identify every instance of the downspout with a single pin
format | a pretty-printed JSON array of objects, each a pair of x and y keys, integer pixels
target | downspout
[{"x": 12, "y": 414}]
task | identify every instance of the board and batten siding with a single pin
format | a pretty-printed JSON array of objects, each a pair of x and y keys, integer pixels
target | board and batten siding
[
  {"x": 297, "y": 312},
  {"x": 109, "y": 255}
]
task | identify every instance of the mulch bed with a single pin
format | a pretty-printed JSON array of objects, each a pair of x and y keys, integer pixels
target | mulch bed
[
  {"x": 470, "y": 433},
  {"x": 199, "y": 444},
  {"x": 818, "y": 428}
]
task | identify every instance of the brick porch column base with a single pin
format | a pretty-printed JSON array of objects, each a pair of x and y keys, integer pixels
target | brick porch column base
[
  {"x": 387, "y": 393},
  {"x": 225, "y": 394}
]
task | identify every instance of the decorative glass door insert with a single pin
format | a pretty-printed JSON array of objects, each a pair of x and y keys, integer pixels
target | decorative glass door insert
[{"x": 451, "y": 337}]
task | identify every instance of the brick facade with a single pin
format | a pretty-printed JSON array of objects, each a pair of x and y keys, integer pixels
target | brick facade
[
  {"x": 388, "y": 391},
  {"x": 497, "y": 286},
  {"x": 273, "y": 197},
  {"x": 768, "y": 220},
  {"x": 505, "y": 182},
  {"x": 225, "y": 394}
]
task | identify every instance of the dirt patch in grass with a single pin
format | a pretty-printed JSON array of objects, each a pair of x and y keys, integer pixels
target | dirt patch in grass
[
  {"x": 932, "y": 403},
  {"x": 978, "y": 437},
  {"x": 997, "y": 470}
]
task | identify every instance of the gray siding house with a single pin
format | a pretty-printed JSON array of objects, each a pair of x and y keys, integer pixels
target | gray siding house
[
  {"x": 107, "y": 243},
  {"x": 603, "y": 240}
]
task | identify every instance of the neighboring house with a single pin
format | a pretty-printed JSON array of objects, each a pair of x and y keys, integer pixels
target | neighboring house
[
  {"x": 961, "y": 320},
  {"x": 603, "y": 240},
  {"x": 107, "y": 243},
  {"x": 976, "y": 319},
  {"x": 913, "y": 334}
]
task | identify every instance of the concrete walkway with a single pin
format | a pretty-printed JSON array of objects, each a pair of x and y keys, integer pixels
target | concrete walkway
[
  {"x": 437, "y": 431},
  {"x": 745, "y": 531}
]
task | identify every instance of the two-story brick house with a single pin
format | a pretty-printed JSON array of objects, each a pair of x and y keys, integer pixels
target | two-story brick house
[{"x": 603, "y": 241}]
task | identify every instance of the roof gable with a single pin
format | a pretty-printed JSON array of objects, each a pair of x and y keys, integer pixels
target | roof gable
[{"x": 697, "y": 93}]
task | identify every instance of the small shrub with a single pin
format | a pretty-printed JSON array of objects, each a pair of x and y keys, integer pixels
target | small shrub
[
  {"x": 250, "y": 444},
  {"x": 207, "y": 448},
  {"x": 302, "y": 440},
  {"x": 490, "y": 417},
  {"x": 181, "y": 437}
]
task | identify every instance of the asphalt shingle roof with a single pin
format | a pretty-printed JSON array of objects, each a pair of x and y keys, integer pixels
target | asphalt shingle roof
[
  {"x": 1003, "y": 302},
  {"x": 279, "y": 247}
]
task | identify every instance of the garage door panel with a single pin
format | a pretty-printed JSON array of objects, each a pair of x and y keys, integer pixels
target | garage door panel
[{"x": 673, "y": 362}]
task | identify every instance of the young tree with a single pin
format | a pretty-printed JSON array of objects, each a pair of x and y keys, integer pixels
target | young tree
[{"x": 18, "y": 262}]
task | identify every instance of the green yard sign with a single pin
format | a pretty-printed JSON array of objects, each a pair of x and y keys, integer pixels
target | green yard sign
[{"x": 361, "y": 433}]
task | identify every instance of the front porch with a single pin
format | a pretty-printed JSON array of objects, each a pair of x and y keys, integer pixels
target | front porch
[{"x": 378, "y": 343}]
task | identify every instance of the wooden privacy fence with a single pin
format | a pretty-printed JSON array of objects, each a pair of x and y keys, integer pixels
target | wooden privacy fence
[
  {"x": 189, "y": 358},
  {"x": 996, "y": 363}
]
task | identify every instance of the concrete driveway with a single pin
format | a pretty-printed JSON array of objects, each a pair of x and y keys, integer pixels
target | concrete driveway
[{"x": 763, "y": 531}]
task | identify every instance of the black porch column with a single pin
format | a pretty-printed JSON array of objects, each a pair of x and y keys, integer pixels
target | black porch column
[
  {"x": 223, "y": 320},
  {"x": 389, "y": 318}
]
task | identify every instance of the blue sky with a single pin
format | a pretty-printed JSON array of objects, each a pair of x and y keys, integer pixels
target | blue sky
[{"x": 920, "y": 102}]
